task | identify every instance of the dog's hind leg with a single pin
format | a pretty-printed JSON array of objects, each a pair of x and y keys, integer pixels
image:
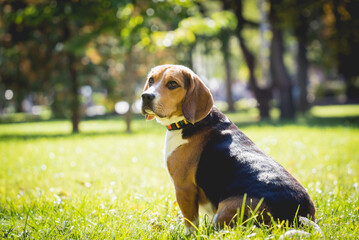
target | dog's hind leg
[{"x": 234, "y": 209}]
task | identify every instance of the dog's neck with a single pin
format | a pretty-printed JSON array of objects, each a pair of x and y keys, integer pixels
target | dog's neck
[
  {"x": 173, "y": 123},
  {"x": 178, "y": 125},
  {"x": 168, "y": 121}
]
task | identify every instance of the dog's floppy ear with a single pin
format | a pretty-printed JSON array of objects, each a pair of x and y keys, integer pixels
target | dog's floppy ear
[{"x": 198, "y": 101}]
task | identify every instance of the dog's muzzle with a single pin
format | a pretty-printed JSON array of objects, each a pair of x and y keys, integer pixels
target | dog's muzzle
[{"x": 147, "y": 99}]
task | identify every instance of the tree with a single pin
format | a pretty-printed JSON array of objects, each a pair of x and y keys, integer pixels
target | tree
[
  {"x": 296, "y": 16},
  {"x": 279, "y": 72},
  {"x": 332, "y": 27},
  {"x": 344, "y": 32},
  {"x": 225, "y": 40},
  {"x": 63, "y": 29},
  {"x": 204, "y": 27},
  {"x": 262, "y": 95}
]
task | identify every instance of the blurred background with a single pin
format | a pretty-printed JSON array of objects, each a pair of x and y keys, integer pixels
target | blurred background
[{"x": 83, "y": 59}]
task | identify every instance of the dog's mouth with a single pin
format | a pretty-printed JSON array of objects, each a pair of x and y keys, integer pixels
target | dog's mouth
[{"x": 149, "y": 114}]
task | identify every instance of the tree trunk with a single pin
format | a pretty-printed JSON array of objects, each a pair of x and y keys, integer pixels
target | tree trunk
[
  {"x": 347, "y": 44},
  {"x": 189, "y": 58},
  {"x": 264, "y": 27},
  {"x": 128, "y": 118},
  {"x": 130, "y": 79},
  {"x": 302, "y": 72},
  {"x": 74, "y": 91},
  {"x": 262, "y": 95},
  {"x": 280, "y": 76},
  {"x": 225, "y": 36},
  {"x": 279, "y": 73}
]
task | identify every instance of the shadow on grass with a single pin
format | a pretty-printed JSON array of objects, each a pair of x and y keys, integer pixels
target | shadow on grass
[
  {"x": 310, "y": 121},
  {"x": 5, "y": 137},
  {"x": 139, "y": 126},
  {"x": 115, "y": 132}
]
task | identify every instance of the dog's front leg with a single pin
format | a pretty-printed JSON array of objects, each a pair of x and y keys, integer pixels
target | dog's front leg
[{"x": 187, "y": 198}]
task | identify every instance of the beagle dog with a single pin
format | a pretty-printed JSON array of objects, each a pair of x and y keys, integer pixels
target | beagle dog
[{"x": 214, "y": 167}]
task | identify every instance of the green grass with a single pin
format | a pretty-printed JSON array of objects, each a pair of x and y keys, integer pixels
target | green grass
[
  {"x": 106, "y": 184},
  {"x": 336, "y": 111}
]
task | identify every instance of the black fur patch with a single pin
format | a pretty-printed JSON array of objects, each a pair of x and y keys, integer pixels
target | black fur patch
[{"x": 232, "y": 165}]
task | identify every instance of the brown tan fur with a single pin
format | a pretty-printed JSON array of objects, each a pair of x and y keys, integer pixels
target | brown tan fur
[
  {"x": 193, "y": 101},
  {"x": 228, "y": 210},
  {"x": 182, "y": 167},
  {"x": 169, "y": 103}
]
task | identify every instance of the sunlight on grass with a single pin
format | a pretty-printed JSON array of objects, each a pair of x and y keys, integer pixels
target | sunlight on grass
[
  {"x": 104, "y": 183},
  {"x": 336, "y": 111}
]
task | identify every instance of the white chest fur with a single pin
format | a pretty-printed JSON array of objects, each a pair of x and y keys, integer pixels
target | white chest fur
[{"x": 173, "y": 140}]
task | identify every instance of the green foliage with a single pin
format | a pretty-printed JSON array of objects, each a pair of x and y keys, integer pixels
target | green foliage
[
  {"x": 200, "y": 26},
  {"x": 103, "y": 183},
  {"x": 335, "y": 111},
  {"x": 113, "y": 44},
  {"x": 40, "y": 38}
]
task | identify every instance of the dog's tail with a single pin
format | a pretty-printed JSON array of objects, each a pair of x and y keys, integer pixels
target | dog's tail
[{"x": 300, "y": 233}]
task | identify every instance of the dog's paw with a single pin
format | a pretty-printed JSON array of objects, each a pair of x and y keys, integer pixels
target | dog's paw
[
  {"x": 190, "y": 230},
  {"x": 191, "y": 227}
]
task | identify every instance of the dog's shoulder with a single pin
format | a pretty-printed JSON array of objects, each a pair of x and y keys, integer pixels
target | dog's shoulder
[
  {"x": 214, "y": 123},
  {"x": 222, "y": 134}
]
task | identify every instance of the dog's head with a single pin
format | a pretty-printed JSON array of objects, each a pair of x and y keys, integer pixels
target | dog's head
[{"x": 174, "y": 92}]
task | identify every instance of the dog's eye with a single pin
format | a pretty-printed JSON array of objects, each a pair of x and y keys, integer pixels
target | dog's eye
[
  {"x": 172, "y": 85},
  {"x": 150, "y": 81}
]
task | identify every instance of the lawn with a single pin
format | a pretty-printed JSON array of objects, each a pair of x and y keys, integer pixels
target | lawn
[{"x": 106, "y": 184}]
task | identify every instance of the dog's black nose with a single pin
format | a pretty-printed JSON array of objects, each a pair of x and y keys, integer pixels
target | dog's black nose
[{"x": 147, "y": 97}]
